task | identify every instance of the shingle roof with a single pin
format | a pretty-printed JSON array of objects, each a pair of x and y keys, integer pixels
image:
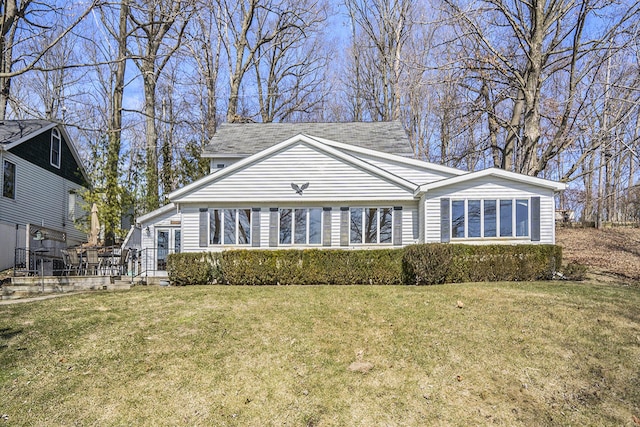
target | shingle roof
[
  {"x": 15, "y": 130},
  {"x": 245, "y": 139}
]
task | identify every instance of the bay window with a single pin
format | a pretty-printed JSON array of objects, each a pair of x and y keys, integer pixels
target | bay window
[{"x": 477, "y": 218}]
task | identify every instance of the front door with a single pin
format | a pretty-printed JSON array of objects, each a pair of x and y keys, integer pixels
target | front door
[{"x": 167, "y": 241}]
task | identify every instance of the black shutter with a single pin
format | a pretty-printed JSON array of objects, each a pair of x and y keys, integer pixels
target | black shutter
[
  {"x": 204, "y": 228},
  {"x": 255, "y": 227},
  {"x": 535, "y": 219},
  {"x": 344, "y": 226},
  {"x": 273, "y": 227},
  {"x": 444, "y": 221},
  {"x": 326, "y": 226},
  {"x": 397, "y": 225}
]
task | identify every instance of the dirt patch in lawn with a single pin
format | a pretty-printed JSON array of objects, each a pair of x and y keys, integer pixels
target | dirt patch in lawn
[{"x": 613, "y": 251}]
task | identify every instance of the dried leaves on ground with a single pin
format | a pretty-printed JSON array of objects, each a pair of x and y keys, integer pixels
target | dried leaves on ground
[{"x": 611, "y": 250}]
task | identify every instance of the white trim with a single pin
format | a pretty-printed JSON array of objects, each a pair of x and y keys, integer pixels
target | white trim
[
  {"x": 428, "y": 166},
  {"x": 176, "y": 195},
  {"x": 65, "y": 136},
  {"x": 500, "y": 173},
  {"x": 55, "y": 136},
  {"x": 161, "y": 210},
  {"x": 29, "y": 136}
]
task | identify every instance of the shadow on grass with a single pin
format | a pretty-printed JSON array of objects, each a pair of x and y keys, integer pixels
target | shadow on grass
[{"x": 6, "y": 334}]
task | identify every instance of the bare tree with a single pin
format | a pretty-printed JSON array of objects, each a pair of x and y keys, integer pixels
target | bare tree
[
  {"x": 524, "y": 45},
  {"x": 152, "y": 22},
  {"x": 20, "y": 22}
]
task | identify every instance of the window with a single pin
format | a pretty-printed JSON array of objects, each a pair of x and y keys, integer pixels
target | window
[
  {"x": 473, "y": 218},
  {"x": 356, "y": 225},
  {"x": 370, "y": 225},
  {"x": 487, "y": 218},
  {"x": 522, "y": 217},
  {"x": 56, "y": 142},
  {"x": 303, "y": 224},
  {"x": 490, "y": 218},
  {"x": 506, "y": 227},
  {"x": 71, "y": 206},
  {"x": 9, "y": 180},
  {"x": 229, "y": 226},
  {"x": 457, "y": 218}
]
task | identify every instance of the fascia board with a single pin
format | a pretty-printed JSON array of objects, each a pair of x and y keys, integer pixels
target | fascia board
[
  {"x": 500, "y": 173},
  {"x": 29, "y": 136},
  {"x": 393, "y": 157},
  {"x": 160, "y": 211}
]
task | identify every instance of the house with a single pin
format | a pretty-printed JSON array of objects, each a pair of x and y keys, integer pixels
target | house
[
  {"x": 340, "y": 185},
  {"x": 42, "y": 176}
]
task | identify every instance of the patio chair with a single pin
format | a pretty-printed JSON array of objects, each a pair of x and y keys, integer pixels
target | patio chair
[
  {"x": 92, "y": 261},
  {"x": 71, "y": 261}
]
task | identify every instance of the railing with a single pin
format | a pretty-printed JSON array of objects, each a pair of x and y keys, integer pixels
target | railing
[
  {"x": 38, "y": 262},
  {"x": 150, "y": 262}
]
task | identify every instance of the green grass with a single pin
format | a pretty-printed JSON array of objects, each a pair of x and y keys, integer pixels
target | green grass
[{"x": 515, "y": 354}]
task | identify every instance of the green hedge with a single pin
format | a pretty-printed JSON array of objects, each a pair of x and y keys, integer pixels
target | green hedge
[
  {"x": 414, "y": 265},
  {"x": 312, "y": 266},
  {"x": 194, "y": 268},
  {"x": 436, "y": 263}
]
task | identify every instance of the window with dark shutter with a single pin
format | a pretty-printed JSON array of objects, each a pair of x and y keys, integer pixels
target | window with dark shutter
[
  {"x": 444, "y": 220},
  {"x": 344, "y": 226},
  {"x": 326, "y": 226},
  {"x": 273, "y": 227},
  {"x": 204, "y": 228},
  {"x": 255, "y": 227},
  {"x": 397, "y": 225},
  {"x": 535, "y": 219}
]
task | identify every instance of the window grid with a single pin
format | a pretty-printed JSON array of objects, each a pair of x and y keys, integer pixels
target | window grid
[
  {"x": 9, "y": 180},
  {"x": 371, "y": 225},
  {"x": 300, "y": 226},
  {"x": 230, "y": 226},
  {"x": 492, "y": 213},
  {"x": 56, "y": 143}
]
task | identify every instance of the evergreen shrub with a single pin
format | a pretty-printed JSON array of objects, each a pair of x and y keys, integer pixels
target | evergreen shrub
[
  {"x": 426, "y": 264},
  {"x": 436, "y": 263},
  {"x": 194, "y": 268}
]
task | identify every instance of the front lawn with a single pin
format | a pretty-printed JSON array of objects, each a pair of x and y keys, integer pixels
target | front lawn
[{"x": 513, "y": 354}]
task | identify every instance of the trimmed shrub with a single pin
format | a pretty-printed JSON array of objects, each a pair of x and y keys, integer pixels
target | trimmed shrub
[
  {"x": 312, "y": 266},
  {"x": 194, "y": 268},
  {"x": 426, "y": 264},
  {"x": 436, "y": 263}
]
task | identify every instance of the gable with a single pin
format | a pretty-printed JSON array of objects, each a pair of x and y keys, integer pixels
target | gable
[
  {"x": 331, "y": 176},
  {"x": 37, "y": 150}
]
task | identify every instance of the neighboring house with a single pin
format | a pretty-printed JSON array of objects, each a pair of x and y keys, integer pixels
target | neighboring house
[
  {"x": 341, "y": 185},
  {"x": 42, "y": 176}
]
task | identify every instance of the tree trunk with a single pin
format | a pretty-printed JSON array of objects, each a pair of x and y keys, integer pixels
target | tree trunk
[{"x": 112, "y": 172}]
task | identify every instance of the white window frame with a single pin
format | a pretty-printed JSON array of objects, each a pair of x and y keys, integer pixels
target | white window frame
[
  {"x": 223, "y": 241},
  {"x": 15, "y": 179},
  {"x": 514, "y": 233},
  {"x": 307, "y": 226},
  {"x": 56, "y": 138},
  {"x": 379, "y": 212}
]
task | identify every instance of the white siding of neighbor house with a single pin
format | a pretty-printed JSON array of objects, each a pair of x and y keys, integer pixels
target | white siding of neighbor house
[
  {"x": 270, "y": 179},
  {"x": 491, "y": 188},
  {"x": 41, "y": 198},
  {"x": 190, "y": 215}
]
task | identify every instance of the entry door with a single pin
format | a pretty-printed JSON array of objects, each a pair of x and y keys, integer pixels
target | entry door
[{"x": 167, "y": 241}]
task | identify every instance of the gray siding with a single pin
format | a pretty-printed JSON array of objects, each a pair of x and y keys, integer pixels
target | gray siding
[{"x": 41, "y": 198}]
